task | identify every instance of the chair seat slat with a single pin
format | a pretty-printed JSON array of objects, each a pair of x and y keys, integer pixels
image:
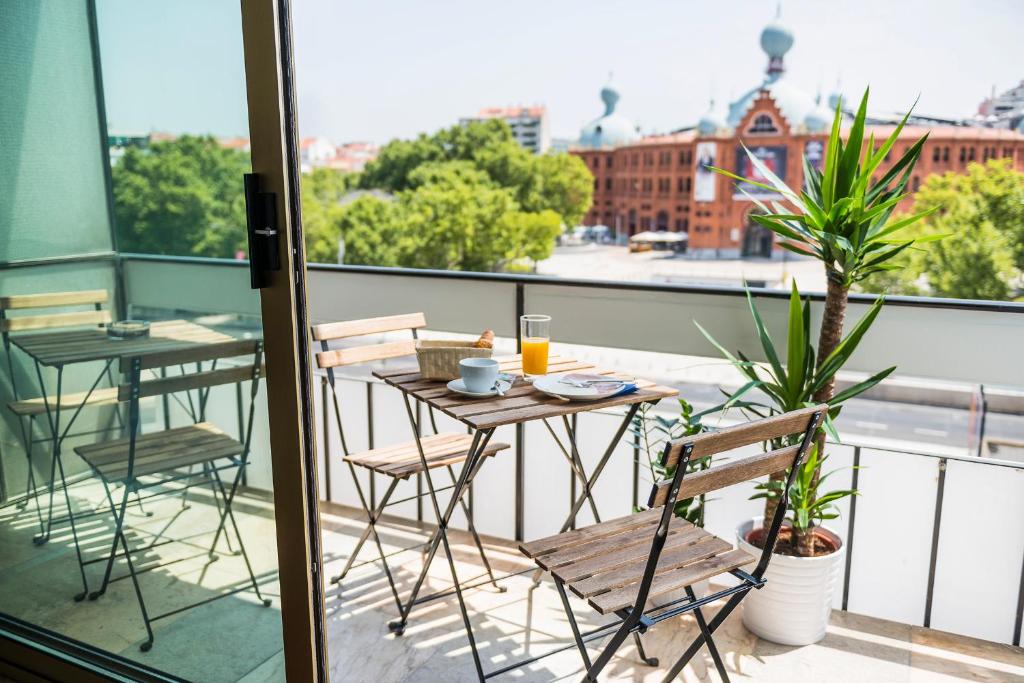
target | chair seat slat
[{"x": 624, "y": 597}]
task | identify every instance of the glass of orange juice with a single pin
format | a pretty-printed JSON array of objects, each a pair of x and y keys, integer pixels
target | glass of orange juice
[{"x": 535, "y": 332}]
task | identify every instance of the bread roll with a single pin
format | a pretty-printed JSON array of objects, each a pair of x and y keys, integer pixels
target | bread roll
[{"x": 486, "y": 340}]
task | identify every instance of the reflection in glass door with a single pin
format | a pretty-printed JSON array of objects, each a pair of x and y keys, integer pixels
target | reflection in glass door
[{"x": 138, "y": 506}]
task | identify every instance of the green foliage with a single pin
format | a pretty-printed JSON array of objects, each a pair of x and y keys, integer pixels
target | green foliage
[
  {"x": 466, "y": 198},
  {"x": 841, "y": 217},
  {"x": 982, "y": 214},
  {"x": 450, "y": 217},
  {"x": 653, "y": 432},
  {"x": 182, "y": 197},
  {"x": 806, "y": 507},
  {"x": 793, "y": 384},
  {"x": 323, "y": 191}
]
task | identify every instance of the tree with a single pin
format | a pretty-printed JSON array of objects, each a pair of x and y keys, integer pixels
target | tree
[
  {"x": 323, "y": 192},
  {"x": 181, "y": 197},
  {"x": 559, "y": 182},
  {"x": 465, "y": 198},
  {"x": 982, "y": 215},
  {"x": 451, "y": 217},
  {"x": 842, "y": 218}
]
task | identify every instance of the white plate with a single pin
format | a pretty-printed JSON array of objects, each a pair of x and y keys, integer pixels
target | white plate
[
  {"x": 553, "y": 386},
  {"x": 459, "y": 387}
]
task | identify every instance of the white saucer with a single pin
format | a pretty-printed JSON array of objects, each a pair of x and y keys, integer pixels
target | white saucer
[{"x": 459, "y": 387}]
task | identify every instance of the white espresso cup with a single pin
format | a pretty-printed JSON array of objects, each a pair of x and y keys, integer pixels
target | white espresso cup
[{"x": 478, "y": 374}]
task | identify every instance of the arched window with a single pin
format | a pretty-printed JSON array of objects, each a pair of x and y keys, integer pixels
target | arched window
[
  {"x": 763, "y": 124},
  {"x": 662, "y": 220}
]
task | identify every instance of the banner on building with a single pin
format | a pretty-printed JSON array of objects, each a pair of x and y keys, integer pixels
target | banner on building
[
  {"x": 705, "y": 178},
  {"x": 774, "y": 158},
  {"x": 814, "y": 152}
]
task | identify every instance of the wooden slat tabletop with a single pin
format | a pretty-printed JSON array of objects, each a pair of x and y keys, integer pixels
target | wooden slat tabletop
[
  {"x": 522, "y": 402},
  {"x": 77, "y": 346}
]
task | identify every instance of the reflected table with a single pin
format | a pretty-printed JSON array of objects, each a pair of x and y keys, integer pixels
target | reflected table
[
  {"x": 519, "y": 405},
  {"x": 57, "y": 351}
]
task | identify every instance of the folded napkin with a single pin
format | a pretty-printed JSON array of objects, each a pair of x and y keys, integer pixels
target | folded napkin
[{"x": 604, "y": 389}]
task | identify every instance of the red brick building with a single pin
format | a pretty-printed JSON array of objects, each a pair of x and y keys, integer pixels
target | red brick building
[{"x": 661, "y": 183}]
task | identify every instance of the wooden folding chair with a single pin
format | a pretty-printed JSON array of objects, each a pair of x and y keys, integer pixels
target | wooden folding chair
[
  {"x": 155, "y": 460},
  {"x": 27, "y": 410},
  {"x": 400, "y": 461},
  {"x": 617, "y": 567}
]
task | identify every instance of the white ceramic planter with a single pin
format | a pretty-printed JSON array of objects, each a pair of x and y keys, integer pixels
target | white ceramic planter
[{"x": 793, "y": 607}]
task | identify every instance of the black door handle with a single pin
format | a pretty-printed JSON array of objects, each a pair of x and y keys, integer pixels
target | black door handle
[{"x": 261, "y": 224}]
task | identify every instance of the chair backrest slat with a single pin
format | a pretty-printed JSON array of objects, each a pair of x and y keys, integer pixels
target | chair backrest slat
[
  {"x": 728, "y": 439},
  {"x": 194, "y": 380},
  {"x": 39, "y": 322},
  {"x": 365, "y": 326},
  {"x": 192, "y": 354},
  {"x": 727, "y": 474},
  {"x": 52, "y": 299},
  {"x": 332, "y": 358},
  {"x": 365, "y": 354}
]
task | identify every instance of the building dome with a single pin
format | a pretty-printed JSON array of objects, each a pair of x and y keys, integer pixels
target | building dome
[
  {"x": 712, "y": 121},
  {"x": 610, "y": 129},
  {"x": 776, "y": 39},
  {"x": 795, "y": 104},
  {"x": 819, "y": 118},
  {"x": 834, "y": 99}
]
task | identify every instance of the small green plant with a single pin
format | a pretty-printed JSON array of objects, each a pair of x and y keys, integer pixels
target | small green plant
[
  {"x": 806, "y": 508},
  {"x": 652, "y": 432}
]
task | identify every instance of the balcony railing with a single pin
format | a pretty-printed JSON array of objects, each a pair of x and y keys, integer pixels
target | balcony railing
[{"x": 913, "y": 536}]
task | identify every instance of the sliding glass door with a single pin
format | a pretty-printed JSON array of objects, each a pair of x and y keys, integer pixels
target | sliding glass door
[{"x": 155, "y": 450}]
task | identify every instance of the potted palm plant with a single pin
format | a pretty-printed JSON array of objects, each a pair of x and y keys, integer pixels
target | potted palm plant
[{"x": 844, "y": 218}]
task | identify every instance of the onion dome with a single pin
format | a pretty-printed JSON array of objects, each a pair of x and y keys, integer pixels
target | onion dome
[
  {"x": 776, "y": 41},
  {"x": 834, "y": 99},
  {"x": 819, "y": 118},
  {"x": 711, "y": 122},
  {"x": 610, "y": 129},
  {"x": 794, "y": 103}
]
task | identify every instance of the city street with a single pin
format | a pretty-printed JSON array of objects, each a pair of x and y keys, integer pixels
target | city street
[{"x": 608, "y": 262}]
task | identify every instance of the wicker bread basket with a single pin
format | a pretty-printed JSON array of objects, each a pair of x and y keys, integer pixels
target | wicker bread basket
[{"x": 440, "y": 359}]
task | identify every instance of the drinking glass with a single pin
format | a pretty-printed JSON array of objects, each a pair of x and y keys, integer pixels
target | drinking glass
[{"x": 535, "y": 331}]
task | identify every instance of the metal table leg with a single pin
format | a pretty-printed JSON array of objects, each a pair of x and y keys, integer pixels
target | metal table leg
[{"x": 469, "y": 470}]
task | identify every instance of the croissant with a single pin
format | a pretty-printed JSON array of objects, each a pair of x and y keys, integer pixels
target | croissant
[{"x": 486, "y": 340}]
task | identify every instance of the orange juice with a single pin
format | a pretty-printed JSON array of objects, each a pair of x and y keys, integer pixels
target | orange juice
[{"x": 535, "y": 356}]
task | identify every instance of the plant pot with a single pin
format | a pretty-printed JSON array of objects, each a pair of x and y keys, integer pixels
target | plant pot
[{"x": 793, "y": 607}]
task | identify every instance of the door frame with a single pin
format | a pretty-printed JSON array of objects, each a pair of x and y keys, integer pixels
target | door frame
[{"x": 32, "y": 653}]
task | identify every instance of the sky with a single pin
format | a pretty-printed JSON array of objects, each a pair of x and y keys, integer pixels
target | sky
[{"x": 375, "y": 70}]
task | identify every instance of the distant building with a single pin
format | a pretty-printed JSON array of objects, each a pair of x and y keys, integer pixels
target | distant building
[
  {"x": 529, "y": 125},
  {"x": 315, "y": 152},
  {"x": 238, "y": 144},
  {"x": 662, "y": 182},
  {"x": 118, "y": 144},
  {"x": 1003, "y": 111},
  {"x": 352, "y": 157}
]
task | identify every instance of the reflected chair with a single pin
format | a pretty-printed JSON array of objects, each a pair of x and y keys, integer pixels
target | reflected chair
[
  {"x": 27, "y": 410},
  {"x": 159, "y": 460},
  {"x": 620, "y": 565},
  {"x": 396, "y": 462}
]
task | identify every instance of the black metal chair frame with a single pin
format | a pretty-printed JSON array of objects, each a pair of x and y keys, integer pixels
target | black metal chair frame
[
  {"x": 223, "y": 496},
  {"x": 635, "y": 620},
  {"x": 375, "y": 509},
  {"x": 27, "y": 426}
]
